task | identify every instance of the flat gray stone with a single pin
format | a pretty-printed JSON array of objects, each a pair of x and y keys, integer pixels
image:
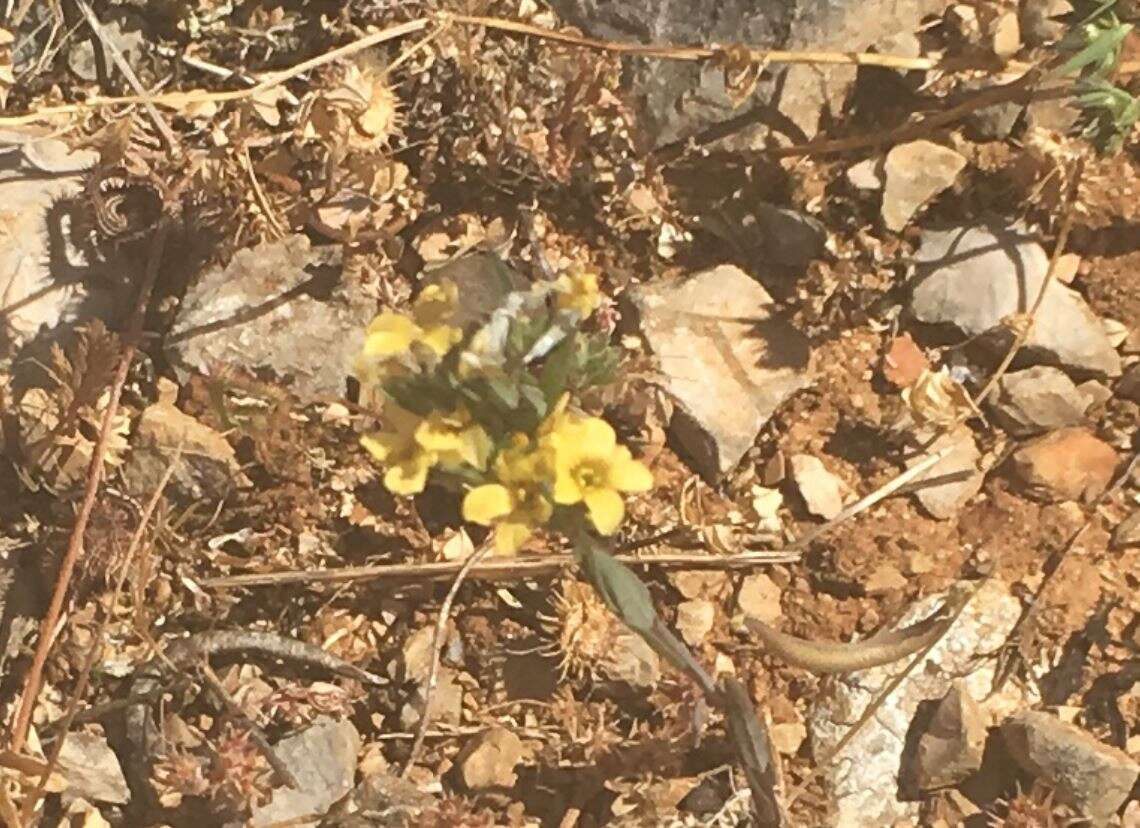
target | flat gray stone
[
  {"x": 729, "y": 361},
  {"x": 92, "y": 770},
  {"x": 951, "y": 748},
  {"x": 957, "y": 474},
  {"x": 1092, "y": 777},
  {"x": 1038, "y": 399},
  {"x": 322, "y": 758},
  {"x": 790, "y": 238},
  {"x": 915, "y": 173},
  {"x": 309, "y": 342},
  {"x": 974, "y": 277}
]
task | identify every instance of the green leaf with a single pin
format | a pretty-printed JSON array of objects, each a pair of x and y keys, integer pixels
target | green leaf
[
  {"x": 1101, "y": 52},
  {"x": 556, "y": 370}
]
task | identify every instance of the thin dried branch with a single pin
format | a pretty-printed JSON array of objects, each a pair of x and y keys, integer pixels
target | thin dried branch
[
  {"x": 183, "y": 99},
  {"x": 44, "y": 643},
  {"x": 438, "y": 639},
  {"x": 511, "y": 569},
  {"x": 112, "y": 48}
]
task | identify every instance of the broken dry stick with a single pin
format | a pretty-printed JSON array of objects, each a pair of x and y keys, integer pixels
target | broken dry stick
[{"x": 883, "y": 648}]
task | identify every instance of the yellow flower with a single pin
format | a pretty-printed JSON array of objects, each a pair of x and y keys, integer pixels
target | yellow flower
[
  {"x": 410, "y": 446},
  {"x": 578, "y": 292},
  {"x": 396, "y": 448},
  {"x": 591, "y": 468},
  {"x": 517, "y": 504},
  {"x": 392, "y": 335},
  {"x": 454, "y": 439}
]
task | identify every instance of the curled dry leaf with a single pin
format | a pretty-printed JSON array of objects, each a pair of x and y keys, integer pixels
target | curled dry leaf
[{"x": 936, "y": 399}]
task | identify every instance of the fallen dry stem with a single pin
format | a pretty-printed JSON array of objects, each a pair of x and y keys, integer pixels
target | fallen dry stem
[
  {"x": 193, "y": 97},
  {"x": 884, "y": 491},
  {"x": 23, "y": 717},
  {"x": 512, "y": 569},
  {"x": 65, "y": 722},
  {"x": 437, "y": 641},
  {"x": 129, "y": 73}
]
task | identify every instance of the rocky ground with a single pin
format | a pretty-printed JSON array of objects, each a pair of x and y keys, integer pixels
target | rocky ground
[{"x": 820, "y": 277}]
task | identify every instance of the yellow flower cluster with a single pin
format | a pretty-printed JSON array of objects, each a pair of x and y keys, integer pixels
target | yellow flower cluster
[
  {"x": 411, "y": 445},
  {"x": 578, "y": 291},
  {"x": 393, "y": 337},
  {"x": 575, "y": 460}
]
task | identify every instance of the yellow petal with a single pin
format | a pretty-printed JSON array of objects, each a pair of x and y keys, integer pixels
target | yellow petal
[
  {"x": 440, "y": 338},
  {"x": 510, "y": 536},
  {"x": 409, "y": 477},
  {"x": 566, "y": 488},
  {"x": 597, "y": 436},
  {"x": 484, "y": 504},
  {"x": 606, "y": 509},
  {"x": 377, "y": 446},
  {"x": 627, "y": 474},
  {"x": 389, "y": 334}
]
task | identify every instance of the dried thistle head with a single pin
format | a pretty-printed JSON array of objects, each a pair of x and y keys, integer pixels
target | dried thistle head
[
  {"x": 1034, "y": 808},
  {"x": 358, "y": 111},
  {"x": 593, "y": 643}
]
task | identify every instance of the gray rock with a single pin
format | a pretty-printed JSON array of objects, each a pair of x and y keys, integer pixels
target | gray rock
[
  {"x": 1092, "y": 777},
  {"x": 1038, "y": 399},
  {"x": 92, "y": 770},
  {"x": 863, "y": 778},
  {"x": 951, "y": 748},
  {"x": 974, "y": 277},
  {"x": 1128, "y": 386},
  {"x": 821, "y": 490},
  {"x": 122, "y": 30},
  {"x": 388, "y": 801},
  {"x": 789, "y": 238},
  {"x": 322, "y": 758},
  {"x": 207, "y": 469},
  {"x": 678, "y": 99},
  {"x": 1127, "y": 532},
  {"x": 996, "y": 121},
  {"x": 957, "y": 474},
  {"x": 630, "y": 660},
  {"x": 1095, "y": 393},
  {"x": 1039, "y": 20},
  {"x": 867, "y": 174},
  {"x": 726, "y": 357},
  {"x": 916, "y": 172},
  {"x": 1068, "y": 464},
  {"x": 483, "y": 280},
  {"x": 309, "y": 341}
]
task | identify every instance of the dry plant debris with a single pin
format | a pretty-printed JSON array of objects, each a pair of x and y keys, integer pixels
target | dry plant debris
[{"x": 208, "y": 201}]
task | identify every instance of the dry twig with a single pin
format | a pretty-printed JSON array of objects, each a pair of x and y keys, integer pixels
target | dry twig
[
  {"x": 44, "y": 643},
  {"x": 437, "y": 641},
  {"x": 509, "y": 569},
  {"x": 129, "y": 73}
]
